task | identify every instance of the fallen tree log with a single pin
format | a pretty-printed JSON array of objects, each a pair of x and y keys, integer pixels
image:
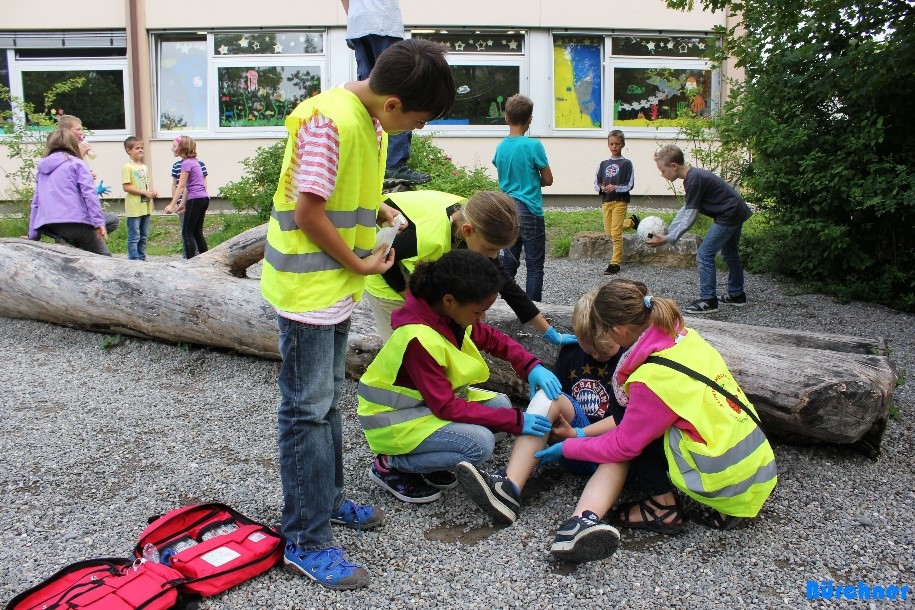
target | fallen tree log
[{"x": 807, "y": 387}]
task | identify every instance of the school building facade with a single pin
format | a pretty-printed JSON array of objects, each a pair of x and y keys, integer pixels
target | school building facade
[{"x": 228, "y": 72}]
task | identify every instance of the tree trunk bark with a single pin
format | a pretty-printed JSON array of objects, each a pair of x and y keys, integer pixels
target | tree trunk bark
[{"x": 807, "y": 387}]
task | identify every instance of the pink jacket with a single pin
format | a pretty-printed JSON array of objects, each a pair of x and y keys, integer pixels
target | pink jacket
[
  {"x": 64, "y": 192},
  {"x": 647, "y": 416},
  {"x": 421, "y": 372}
]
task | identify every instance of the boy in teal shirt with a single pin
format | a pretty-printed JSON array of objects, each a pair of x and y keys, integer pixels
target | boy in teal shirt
[{"x": 523, "y": 168}]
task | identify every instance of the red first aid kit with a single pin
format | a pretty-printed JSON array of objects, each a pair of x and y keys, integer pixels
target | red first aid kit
[{"x": 198, "y": 550}]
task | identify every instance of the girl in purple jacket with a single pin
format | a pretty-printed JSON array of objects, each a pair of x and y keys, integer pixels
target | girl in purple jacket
[{"x": 65, "y": 205}]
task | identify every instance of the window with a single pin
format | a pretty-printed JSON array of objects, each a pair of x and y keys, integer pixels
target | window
[
  {"x": 236, "y": 82},
  {"x": 649, "y": 82},
  {"x": 488, "y": 69},
  {"x": 33, "y": 63},
  {"x": 658, "y": 81},
  {"x": 578, "y": 81}
]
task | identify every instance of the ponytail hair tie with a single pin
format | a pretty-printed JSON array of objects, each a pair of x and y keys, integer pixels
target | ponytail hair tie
[{"x": 647, "y": 301}]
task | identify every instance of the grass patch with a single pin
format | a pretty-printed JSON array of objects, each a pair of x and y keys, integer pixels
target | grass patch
[{"x": 561, "y": 226}]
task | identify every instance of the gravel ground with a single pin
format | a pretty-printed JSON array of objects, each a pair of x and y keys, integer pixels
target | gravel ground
[{"x": 94, "y": 441}]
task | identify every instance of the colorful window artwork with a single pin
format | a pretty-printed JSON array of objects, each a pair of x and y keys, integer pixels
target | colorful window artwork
[
  {"x": 481, "y": 94},
  {"x": 659, "y": 97},
  {"x": 477, "y": 41},
  {"x": 666, "y": 46},
  {"x": 268, "y": 43},
  {"x": 577, "y": 81},
  {"x": 607, "y": 81},
  {"x": 265, "y": 95},
  {"x": 228, "y": 80}
]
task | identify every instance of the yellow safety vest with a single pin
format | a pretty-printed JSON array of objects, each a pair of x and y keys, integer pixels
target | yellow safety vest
[
  {"x": 733, "y": 471},
  {"x": 394, "y": 418},
  {"x": 426, "y": 210},
  {"x": 298, "y": 276}
]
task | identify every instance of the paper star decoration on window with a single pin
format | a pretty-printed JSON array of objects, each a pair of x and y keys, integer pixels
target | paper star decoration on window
[
  {"x": 223, "y": 50},
  {"x": 459, "y": 46},
  {"x": 243, "y": 42}
]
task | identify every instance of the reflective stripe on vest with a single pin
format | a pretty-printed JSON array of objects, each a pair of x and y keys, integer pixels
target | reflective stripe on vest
[
  {"x": 711, "y": 465},
  {"x": 394, "y": 418},
  {"x": 340, "y": 219},
  {"x": 297, "y": 276}
]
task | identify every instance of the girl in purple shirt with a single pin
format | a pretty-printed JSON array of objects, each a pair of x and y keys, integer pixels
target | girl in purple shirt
[{"x": 197, "y": 200}]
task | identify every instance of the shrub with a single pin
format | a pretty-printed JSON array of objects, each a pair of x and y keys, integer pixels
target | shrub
[
  {"x": 254, "y": 191},
  {"x": 446, "y": 176}
]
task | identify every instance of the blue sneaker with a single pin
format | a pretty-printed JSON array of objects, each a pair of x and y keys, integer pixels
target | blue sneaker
[
  {"x": 358, "y": 516},
  {"x": 327, "y": 567}
]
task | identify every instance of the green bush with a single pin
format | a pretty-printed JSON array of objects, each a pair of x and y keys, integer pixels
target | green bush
[
  {"x": 824, "y": 114},
  {"x": 446, "y": 176},
  {"x": 254, "y": 191}
]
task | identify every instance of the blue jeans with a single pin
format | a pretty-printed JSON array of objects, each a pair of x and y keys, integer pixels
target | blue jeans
[
  {"x": 137, "y": 236},
  {"x": 725, "y": 240},
  {"x": 367, "y": 50},
  {"x": 310, "y": 431},
  {"x": 456, "y": 442},
  {"x": 532, "y": 238}
]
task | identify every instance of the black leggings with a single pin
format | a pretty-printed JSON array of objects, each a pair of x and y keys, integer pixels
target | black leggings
[
  {"x": 648, "y": 470},
  {"x": 192, "y": 229},
  {"x": 82, "y": 236}
]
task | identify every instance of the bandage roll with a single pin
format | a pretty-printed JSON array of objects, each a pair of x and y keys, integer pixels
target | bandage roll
[{"x": 540, "y": 404}]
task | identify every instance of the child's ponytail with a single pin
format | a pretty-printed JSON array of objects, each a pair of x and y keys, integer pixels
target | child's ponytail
[{"x": 622, "y": 301}]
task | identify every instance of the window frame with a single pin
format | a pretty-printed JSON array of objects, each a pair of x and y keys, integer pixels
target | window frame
[
  {"x": 215, "y": 61},
  {"x": 495, "y": 59},
  {"x": 17, "y": 66},
  {"x": 611, "y": 62}
]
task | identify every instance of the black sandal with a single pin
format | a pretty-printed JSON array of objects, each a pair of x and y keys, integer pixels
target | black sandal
[
  {"x": 654, "y": 516},
  {"x": 720, "y": 521}
]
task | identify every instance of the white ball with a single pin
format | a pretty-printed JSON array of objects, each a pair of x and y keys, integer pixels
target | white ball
[{"x": 650, "y": 225}]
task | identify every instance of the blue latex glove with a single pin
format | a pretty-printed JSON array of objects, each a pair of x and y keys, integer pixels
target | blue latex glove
[
  {"x": 535, "y": 425},
  {"x": 542, "y": 377},
  {"x": 101, "y": 189},
  {"x": 550, "y": 454},
  {"x": 553, "y": 336}
]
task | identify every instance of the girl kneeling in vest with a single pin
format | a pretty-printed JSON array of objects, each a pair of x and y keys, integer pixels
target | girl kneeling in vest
[
  {"x": 716, "y": 453},
  {"x": 587, "y": 408},
  {"x": 417, "y": 405}
]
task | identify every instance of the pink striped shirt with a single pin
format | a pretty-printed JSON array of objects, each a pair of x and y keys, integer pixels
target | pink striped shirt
[{"x": 317, "y": 154}]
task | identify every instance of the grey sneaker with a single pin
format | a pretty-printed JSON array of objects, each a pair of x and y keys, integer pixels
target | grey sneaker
[
  {"x": 495, "y": 494},
  {"x": 585, "y": 538},
  {"x": 737, "y": 300},
  {"x": 405, "y": 175},
  {"x": 702, "y": 306}
]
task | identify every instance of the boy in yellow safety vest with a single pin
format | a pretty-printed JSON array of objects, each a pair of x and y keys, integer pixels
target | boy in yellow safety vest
[{"x": 319, "y": 249}]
